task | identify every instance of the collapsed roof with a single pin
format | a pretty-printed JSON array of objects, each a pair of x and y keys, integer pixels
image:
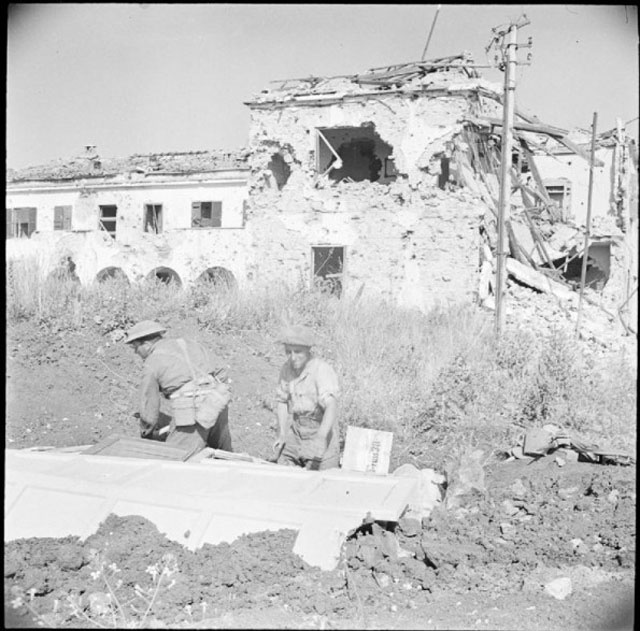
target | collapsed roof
[{"x": 453, "y": 73}]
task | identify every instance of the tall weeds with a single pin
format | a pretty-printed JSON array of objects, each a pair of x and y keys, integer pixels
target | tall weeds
[{"x": 435, "y": 379}]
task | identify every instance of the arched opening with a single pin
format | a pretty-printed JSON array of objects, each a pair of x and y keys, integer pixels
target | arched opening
[
  {"x": 218, "y": 277},
  {"x": 65, "y": 270},
  {"x": 111, "y": 273},
  {"x": 165, "y": 275}
]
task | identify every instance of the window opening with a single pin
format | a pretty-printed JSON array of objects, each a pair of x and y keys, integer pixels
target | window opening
[
  {"x": 354, "y": 154},
  {"x": 559, "y": 192},
  {"x": 62, "y": 217},
  {"x": 21, "y": 222},
  {"x": 108, "y": 219},
  {"x": 153, "y": 218},
  {"x": 328, "y": 266},
  {"x": 206, "y": 214}
]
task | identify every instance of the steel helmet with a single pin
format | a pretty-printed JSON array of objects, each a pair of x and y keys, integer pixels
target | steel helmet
[
  {"x": 298, "y": 335},
  {"x": 144, "y": 329}
]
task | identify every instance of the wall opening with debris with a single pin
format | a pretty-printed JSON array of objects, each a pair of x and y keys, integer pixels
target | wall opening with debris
[{"x": 354, "y": 154}]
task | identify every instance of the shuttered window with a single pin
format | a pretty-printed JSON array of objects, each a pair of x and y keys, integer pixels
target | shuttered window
[
  {"x": 206, "y": 214},
  {"x": 62, "y": 218},
  {"x": 21, "y": 222}
]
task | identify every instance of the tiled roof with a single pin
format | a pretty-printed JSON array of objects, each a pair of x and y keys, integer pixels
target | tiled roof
[{"x": 93, "y": 166}]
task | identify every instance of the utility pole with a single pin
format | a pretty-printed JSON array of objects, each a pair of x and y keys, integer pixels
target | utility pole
[
  {"x": 424, "y": 52},
  {"x": 587, "y": 232},
  {"x": 509, "y": 64}
]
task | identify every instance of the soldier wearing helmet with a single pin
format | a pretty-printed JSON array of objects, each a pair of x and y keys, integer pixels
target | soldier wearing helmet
[
  {"x": 169, "y": 367},
  {"x": 307, "y": 400}
]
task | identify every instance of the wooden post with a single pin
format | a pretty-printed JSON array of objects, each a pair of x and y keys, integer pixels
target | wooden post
[
  {"x": 505, "y": 176},
  {"x": 585, "y": 254}
]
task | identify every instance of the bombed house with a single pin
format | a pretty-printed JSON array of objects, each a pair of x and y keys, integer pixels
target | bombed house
[{"x": 385, "y": 183}]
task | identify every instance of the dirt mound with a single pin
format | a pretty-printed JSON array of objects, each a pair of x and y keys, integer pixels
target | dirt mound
[{"x": 535, "y": 522}]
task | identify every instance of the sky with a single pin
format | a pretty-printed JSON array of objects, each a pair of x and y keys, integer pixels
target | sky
[{"x": 144, "y": 78}]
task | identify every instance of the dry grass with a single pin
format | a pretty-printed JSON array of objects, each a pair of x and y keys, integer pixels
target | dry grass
[{"x": 437, "y": 380}]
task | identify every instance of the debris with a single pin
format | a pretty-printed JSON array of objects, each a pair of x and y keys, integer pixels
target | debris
[
  {"x": 466, "y": 480},
  {"x": 519, "y": 490},
  {"x": 537, "y": 442},
  {"x": 559, "y": 588}
]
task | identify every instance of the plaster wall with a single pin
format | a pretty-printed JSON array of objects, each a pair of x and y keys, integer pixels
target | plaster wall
[
  {"x": 407, "y": 241},
  {"x": 188, "y": 251}
]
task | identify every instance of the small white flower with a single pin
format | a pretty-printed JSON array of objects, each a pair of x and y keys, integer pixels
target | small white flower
[
  {"x": 95, "y": 575},
  {"x": 153, "y": 570},
  {"x": 17, "y": 602}
]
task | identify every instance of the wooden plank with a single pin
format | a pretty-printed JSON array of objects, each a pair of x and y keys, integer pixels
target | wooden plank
[
  {"x": 128, "y": 447},
  {"x": 534, "y": 230},
  {"x": 538, "y": 179},
  {"x": 569, "y": 144}
]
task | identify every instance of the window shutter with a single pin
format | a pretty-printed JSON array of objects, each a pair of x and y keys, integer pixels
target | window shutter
[
  {"x": 196, "y": 215},
  {"x": 58, "y": 218},
  {"x": 32, "y": 220},
  {"x": 66, "y": 219},
  {"x": 216, "y": 214},
  {"x": 9, "y": 223}
]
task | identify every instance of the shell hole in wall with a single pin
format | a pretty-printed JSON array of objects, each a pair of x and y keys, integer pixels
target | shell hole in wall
[
  {"x": 598, "y": 267},
  {"x": 279, "y": 169},
  {"x": 165, "y": 275},
  {"x": 355, "y": 154}
]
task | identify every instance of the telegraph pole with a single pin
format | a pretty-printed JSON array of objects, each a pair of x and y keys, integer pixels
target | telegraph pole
[
  {"x": 585, "y": 254},
  {"x": 509, "y": 64}
]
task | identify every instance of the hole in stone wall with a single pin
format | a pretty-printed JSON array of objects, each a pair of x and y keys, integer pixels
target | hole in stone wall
[
  {"x": 111, "y": 273},
  {"x": 165, "y": 275},
  {"x": 280, "y": 170},
  {"x": 356, "y": 154},
  {"x": 598, "y": 267},
  {"x": 218, "y": 278}
]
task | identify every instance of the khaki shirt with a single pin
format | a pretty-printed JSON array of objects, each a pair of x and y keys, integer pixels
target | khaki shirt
[
  {"x": 166, "y": 370},
  {"x": 306, "y": 396}
]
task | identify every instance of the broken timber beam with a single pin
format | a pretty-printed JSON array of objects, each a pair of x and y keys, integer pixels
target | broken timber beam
[
  {"x": 536, "y": 176},
  {"x": 532, "y": 278},
  {"x": 555, "y": 132}
]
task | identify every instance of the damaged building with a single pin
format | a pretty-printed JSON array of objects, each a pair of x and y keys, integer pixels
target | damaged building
[
  {"x": 173, "y": 216},
  {"x": 385, "y": 182}
]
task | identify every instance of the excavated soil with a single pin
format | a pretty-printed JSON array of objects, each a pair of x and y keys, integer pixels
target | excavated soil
[
  {"x": 493, "y": 556},
  {"x": 485, "y": 563}
]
